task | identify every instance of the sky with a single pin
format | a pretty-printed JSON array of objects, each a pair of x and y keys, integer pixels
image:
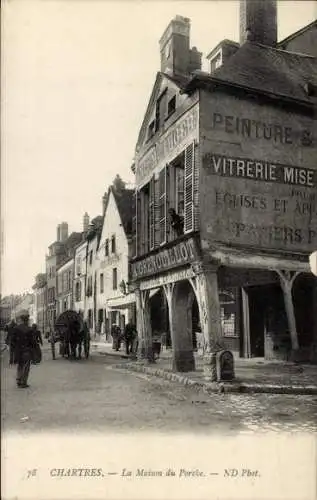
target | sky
[{"x": 76, "y": 79}]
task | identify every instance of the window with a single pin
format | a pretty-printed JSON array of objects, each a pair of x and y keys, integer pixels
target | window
[
  {"x": 189, "y": 189},
  {"x": 101, "y": 283},
  {"x": 229, "y": 312},
  {"x": 163, "y": 202},
  {"x": 160, "y": 113},
  {"x": 113, "y": 243},
  {"x": 216, "y": 61},
  {"x": 171, "y": 106},
  {"x": 78, "y": 291},
  {"x": 151, "y": 130},
  {"x": 90, "y": 257},
  {"x": 78, "y": 266},
  {"x": 107, "y": 247},
  {"x": 114, "y": 278},
  {"x": 152, "y": 213}
]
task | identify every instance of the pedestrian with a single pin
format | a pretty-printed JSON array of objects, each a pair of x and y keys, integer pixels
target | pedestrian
[
  {"x": 116, "y": 337},
  {"x": 129, "y": 336},
  {"x": 37, "y": 334},
  {"x": 37, "y": 354},
  {"x": 23, "y": 344},
  {"x": 9, "y": 329}
]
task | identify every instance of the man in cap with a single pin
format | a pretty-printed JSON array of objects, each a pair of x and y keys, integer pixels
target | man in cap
[{"x": 23, "y": 344}]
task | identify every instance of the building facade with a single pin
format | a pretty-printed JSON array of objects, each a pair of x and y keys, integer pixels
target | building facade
[
  {"x": 226, "y": 198},
  {"x": 114, "y": 303},
  {"x": 40, "y": 290},
  {"x": 56, "y": 254},
  {"x": 64, "y": 289},
  {"x": 93, "y": 236},
  {"x": 79, "y": 282},
  {"x": 60, "y": 252}
]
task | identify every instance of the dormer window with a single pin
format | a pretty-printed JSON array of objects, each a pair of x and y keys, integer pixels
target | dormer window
[
  {"x": 216, "y": 61},
  {"x": 171, "y": 106}
]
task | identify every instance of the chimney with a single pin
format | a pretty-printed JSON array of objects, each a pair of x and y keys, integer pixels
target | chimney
[
  {"x": 85, "y": 222},
  {"x": 174, "y": 47},
  {"x": 63, "y": 232},
  {"x": 58, "y": 232},
  {"x": 104, "y": 202},
  {"x": 194, "y": 60},
  {"x": 258, "y": 21}
]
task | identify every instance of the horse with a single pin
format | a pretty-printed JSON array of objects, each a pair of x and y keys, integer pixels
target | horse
[{"x": 75, "y": 339}]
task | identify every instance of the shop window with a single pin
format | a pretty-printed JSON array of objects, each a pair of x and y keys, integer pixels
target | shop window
[
  {"x": 114, "y": 278},
  {"x": 228, "y": 312}
]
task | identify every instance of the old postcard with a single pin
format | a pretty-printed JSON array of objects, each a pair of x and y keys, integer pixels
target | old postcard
[{"x": 159, "y": 250}]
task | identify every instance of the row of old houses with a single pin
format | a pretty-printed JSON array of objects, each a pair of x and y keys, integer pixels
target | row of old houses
[
  {"x": 88, "y": 271},
  {"x": 216, "y": 236}
]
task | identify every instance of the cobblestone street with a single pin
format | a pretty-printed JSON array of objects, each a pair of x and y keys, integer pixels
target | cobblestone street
[{"x": 92, "y": 395}]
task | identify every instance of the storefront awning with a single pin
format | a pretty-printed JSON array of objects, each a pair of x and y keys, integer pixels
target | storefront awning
[{"x": 121, "y": 302}]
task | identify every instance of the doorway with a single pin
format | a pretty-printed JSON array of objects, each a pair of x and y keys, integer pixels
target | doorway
[{"x": 268, "y": 326}]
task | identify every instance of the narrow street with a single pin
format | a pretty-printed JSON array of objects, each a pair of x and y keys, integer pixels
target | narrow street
[{"x": 92, "y": 395}]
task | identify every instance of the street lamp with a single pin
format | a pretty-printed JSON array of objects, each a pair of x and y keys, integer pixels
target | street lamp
[{"x": 313, "y": 262}]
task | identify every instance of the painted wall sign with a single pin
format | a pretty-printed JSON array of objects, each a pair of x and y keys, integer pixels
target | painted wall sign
[
  {"x": 181, "y": 253},
  {"x": 259, "y": 170},
  {"x": 171, "y": 277},
  {"x": 256, "y": 129},
  {"x": 169, "y": 144},
  {"x": 259, "y": 204}
]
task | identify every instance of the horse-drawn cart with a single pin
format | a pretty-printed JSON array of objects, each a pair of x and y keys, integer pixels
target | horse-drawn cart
[{"x": 72, "y": 334}]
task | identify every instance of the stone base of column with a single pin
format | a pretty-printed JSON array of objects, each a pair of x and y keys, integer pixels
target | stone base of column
[
  {"x": 219, "y": 366},
  {"x": 183, "y": 361}
]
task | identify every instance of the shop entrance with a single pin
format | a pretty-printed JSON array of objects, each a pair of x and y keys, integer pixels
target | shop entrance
[
  {"x": 185, "y": 326},
  {"x": 268, "y": 328}
]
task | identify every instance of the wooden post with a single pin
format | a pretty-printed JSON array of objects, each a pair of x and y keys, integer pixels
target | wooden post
[
  {"x": 246, "y": 324},
  {"x": 287, "y": 279}
]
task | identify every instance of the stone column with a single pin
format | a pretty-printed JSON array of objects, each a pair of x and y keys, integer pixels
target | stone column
[
  {"x": 144, "y": 330},
  {"x": 180, "y": 311},
  {"x": 287, "y": 279},
  {"x": 210, "y": 319}
]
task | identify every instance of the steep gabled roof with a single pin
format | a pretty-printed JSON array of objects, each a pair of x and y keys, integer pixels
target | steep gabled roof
[
  {"x": 266, "y": 70},
  {"x": 126, "y": 206},
  {"x": 179, "y": 81},
  {"x": 297, "y": 33}
]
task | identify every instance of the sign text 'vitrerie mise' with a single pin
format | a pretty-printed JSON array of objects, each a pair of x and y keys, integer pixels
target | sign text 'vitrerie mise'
[{"x": 259, "y": 170}]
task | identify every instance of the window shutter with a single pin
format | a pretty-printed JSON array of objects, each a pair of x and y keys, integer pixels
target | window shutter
[
  {"x": 163, "y": 179},
  {"x": 152, "y": 214},
  {"x": 138, "y": 223},
  {"x": 156, "y": 213},
  {"x": 189, "y": 189},
  {"x": 197, "y": 170}
]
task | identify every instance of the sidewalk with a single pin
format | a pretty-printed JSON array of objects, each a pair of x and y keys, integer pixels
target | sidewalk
[{"x": 252, "y": 375}]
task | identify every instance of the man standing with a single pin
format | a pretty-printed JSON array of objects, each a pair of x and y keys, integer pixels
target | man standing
[
  {"x": 116, "y": 337},
  {"x": 23, "y": 344},
  {"x": 129, "y": 336}
]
